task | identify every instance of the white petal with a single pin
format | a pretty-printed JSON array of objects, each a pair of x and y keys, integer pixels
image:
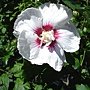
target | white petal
[
  {"x": 54, "y": 57},
  {"x": 55, "y": 14},
  {"x": 22, "y": 25},
  {"x": 28, "y": 25},
  {"x": 27, "y": 46},
  {"x": 34, "y": 23},
  {"x": 25, "y": 15},
  {"x": 69, "y": 38}
]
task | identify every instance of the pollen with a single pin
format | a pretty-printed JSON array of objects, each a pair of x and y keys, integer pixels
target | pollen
[{"x": 47, "y": 37}]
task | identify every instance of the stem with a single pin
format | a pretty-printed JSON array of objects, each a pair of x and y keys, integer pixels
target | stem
[
  {"x": 58, "y": 1},
  {"x": 5, "y": 71},
  {"x": 83, "y": 58},
  {"x": 2, "y": 70}
]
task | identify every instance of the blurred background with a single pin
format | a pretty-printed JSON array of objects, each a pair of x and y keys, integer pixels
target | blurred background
[{"x": 17, "y": 73}]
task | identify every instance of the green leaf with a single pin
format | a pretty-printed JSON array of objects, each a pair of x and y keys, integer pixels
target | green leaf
[
  {"x": 6, "y": 58},
  {"x": 17, "y": 68},
  {"x": 38, "y": 87},
  {"x": 4, "y": 80},
  {"x": 71, "y": 4},
  {"x": 3, "y": 30},
  {"x": 27, "y": 86},
  {"x": 82, "y": 87},
  {"x": 77, "y": 63},
  {"x": 3, "y": 88},
  {"x": 18, "y": 74},
  {"x": 19, "y": 84}
]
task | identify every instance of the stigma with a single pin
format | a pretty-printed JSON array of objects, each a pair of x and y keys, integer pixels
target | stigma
[{"x": 47, "y": 37}]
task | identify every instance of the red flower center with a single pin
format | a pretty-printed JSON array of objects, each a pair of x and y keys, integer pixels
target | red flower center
[{"x": 47, "y": 35}]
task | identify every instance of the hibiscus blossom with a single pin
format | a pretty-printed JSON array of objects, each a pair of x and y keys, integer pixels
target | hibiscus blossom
[{"x": 44, "y": 33}]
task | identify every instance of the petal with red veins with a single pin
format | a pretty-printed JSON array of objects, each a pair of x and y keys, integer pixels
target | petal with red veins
[
  {"x": 54, "y": 57},
  {"x": 25, "y": 15},
  {"x": 55, "y": 14},
  {"x": 69, "y": 38},
  {"x": 27, "y": 45},
  {"x": 29, "y": 25}
]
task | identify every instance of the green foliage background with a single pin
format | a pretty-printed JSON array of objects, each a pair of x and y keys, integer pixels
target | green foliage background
[{"x": 19, "y": 74}]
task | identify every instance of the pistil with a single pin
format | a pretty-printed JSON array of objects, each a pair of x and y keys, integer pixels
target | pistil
[{"x": 47, "y": 37}]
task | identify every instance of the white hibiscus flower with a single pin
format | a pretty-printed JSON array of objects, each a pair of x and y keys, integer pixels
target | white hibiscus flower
[{"x": 44, "y": 33}]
